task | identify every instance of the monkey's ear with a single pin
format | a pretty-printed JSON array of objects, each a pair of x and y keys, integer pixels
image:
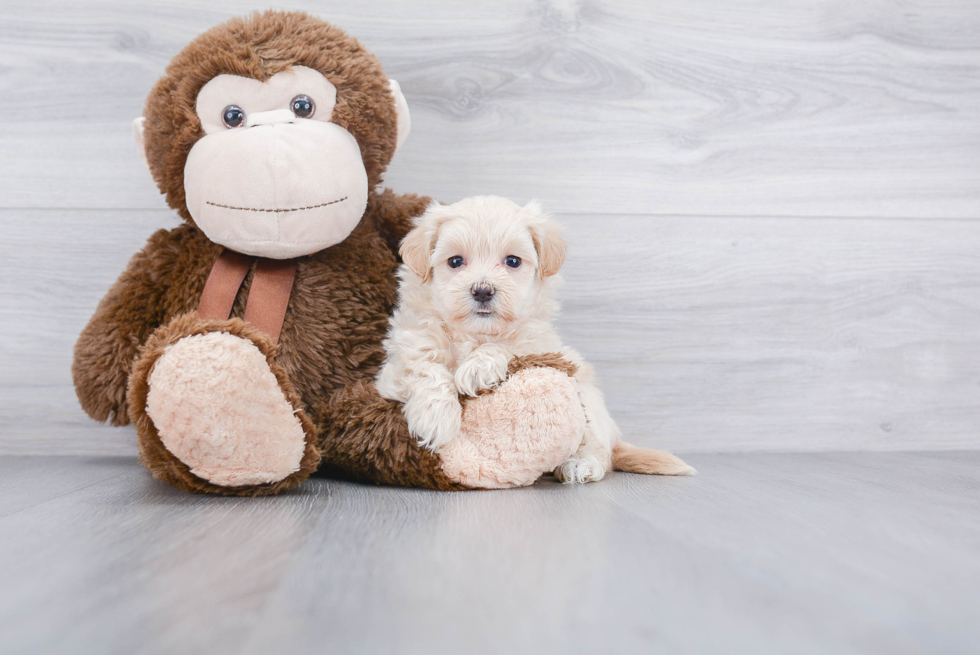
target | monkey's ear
[
  {"x": 138, "y": 135},
  {"x": 404, "y": 118},
  {"x": 548, "y": 242}
]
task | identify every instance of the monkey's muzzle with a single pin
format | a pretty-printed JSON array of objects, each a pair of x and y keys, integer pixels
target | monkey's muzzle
[{"x": 279, "y": 188}]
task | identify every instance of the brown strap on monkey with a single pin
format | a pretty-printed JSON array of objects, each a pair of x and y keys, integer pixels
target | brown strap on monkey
[
  {"x": 268, "y": 296},
  {"x": 223, "y": 283}
]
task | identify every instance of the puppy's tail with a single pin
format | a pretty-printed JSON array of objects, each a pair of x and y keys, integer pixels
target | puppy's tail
[{"x": 633, "y": 459}]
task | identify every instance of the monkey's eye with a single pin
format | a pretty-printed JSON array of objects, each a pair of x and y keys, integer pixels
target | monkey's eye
[
  {"x": 302, "y": 106},
  {"x": 233, "y": 116},
  {"x": 512, "y": 261},
  {"x": 455, "y": 261}
]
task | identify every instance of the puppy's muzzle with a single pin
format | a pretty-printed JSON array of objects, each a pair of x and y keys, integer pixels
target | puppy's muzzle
[{"x": 482, "y": 292}]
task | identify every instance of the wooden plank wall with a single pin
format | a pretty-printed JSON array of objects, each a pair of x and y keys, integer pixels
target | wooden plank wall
[{"x": 773, "y": 205}]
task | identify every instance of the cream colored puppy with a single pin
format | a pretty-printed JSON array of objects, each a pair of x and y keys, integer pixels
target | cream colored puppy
[{"x": 476, "y": 290}]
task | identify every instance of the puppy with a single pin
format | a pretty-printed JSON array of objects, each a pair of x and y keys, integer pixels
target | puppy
[{"x": 476, "y": 289}]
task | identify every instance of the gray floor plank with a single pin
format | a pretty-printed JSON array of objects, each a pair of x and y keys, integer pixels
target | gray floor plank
[
  {"x": 27, "y": 482},
  {"x": 750, "y": 108},
  {"x": 853, "y": 541},
  {"x": 133, "y": 566},
  {"x": 708, "y": 333},
  {"x": 761, "y": 553}
]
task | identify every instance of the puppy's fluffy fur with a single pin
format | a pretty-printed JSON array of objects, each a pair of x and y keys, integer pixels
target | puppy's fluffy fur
[{"x": 476, "y": 290}]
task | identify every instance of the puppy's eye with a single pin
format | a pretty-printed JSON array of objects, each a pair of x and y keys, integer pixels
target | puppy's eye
[
  {"x": 512, "y": 261},
  {"x": 233, "y": 116},
  {"x": 302, "y": 106},
  {"x": 455, "y": 262}
]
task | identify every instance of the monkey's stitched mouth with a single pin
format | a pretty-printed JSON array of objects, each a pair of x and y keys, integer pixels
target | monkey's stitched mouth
[{"x": 276, "y": 211}]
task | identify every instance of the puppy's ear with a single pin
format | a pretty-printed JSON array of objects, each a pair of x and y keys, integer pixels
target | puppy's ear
[
  {"x": 548, "y": 241},
  {"x": 416, "y": 250},
  {"x": 416, "y": 247}
]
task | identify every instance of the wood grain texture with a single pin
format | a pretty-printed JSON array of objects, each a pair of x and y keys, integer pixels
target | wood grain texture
[
  {"x": 28, "y": 482},
  {"x": 708, "y": 334},
  {"x": 57, "y": 266},
  {"x": 760, "y": 553},
  {"x": 710, "y": 108},
  {"x": 684, "y": 145},
  {"x": 716, "y": 334}
]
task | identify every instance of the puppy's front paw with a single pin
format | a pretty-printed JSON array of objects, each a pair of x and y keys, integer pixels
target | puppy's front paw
[
  {"x": 485, "y": 368},
  {"x": 433, "y": 420},
  {"x": 579, "y": 470}
]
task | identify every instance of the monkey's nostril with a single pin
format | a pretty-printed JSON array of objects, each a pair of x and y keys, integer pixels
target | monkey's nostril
[{"x": 482, "y": 292}]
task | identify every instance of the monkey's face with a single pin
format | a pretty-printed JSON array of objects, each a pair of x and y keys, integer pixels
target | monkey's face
[
  {"x": 272, "y": 176},
  {"x": 269, "y": 133}
]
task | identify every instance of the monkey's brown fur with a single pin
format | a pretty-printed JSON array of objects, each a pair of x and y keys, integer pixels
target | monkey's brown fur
[
  {"x": 330, "y": 346},
  {"x": 337, "y": 315}
]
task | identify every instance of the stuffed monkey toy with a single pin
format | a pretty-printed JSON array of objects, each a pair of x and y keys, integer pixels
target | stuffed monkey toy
[{"x": 243, "y": 344}]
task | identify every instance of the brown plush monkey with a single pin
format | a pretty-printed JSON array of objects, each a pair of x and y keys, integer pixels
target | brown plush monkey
[{"x": 243, "y": 344}]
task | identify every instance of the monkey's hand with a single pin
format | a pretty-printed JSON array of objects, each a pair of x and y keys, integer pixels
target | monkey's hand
[{"x": 484, "y": 368}]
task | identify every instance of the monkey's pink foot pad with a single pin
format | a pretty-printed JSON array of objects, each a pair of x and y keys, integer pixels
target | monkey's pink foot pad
[
  {"x": 527, "y": 427},
  {"x": 219, "y": 409}
]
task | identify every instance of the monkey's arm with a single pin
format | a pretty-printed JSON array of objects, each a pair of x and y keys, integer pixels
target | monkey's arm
[
  {"x": 364, "y": 437},
  {"x": 125, "y": 317},
  {"x": 393, "y": 214}
]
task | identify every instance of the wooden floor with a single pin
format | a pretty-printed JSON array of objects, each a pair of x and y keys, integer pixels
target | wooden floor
[{"x": 760, "y": 553}]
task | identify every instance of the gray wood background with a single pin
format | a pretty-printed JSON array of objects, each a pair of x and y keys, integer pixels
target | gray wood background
[{"x": 773, "y": 205}]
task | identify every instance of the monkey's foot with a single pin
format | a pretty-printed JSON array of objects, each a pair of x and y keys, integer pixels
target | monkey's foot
[
  {"x": 219, "y": 409},
  {"x": 523, "y": 429}
]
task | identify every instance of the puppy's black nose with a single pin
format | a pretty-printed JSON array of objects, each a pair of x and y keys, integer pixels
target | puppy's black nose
[{"x": 482, "y": 292}]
